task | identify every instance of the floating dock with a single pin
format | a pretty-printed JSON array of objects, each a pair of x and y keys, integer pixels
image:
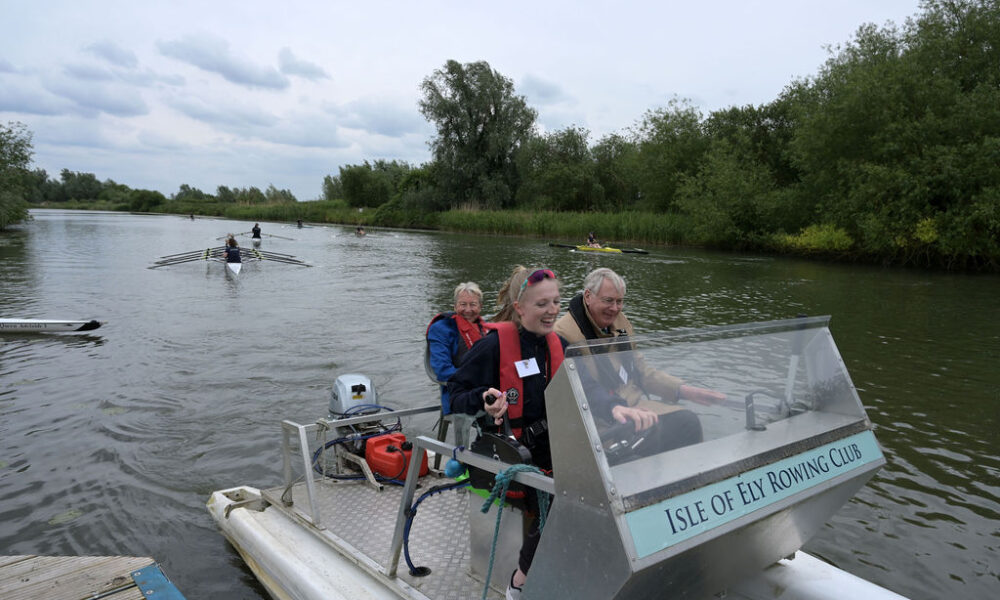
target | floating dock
[{"x": 83, "y": 578}]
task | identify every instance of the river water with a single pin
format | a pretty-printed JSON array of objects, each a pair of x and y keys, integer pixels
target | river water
[{"x": 110, "y": 443}]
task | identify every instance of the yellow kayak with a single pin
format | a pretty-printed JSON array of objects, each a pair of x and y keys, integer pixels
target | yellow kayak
[{"x": 605, "y": 249}]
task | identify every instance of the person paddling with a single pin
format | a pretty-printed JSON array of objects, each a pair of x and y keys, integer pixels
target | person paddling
[{"x": 592, "y": 241}]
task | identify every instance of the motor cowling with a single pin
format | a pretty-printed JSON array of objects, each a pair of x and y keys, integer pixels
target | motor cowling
[{"x": 349, "y": 391}]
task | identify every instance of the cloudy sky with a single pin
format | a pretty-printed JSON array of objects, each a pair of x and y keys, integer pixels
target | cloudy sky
[{"x": 155, "y": 94}]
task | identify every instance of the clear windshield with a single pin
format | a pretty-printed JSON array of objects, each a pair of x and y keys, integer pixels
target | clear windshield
[{"x": 732, "y": 391}]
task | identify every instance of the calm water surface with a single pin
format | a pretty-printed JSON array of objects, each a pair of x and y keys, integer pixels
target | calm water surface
[{"x": 111, "y": 443}]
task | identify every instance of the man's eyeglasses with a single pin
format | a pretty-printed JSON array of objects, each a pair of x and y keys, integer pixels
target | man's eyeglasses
[
  {"x": 608, "y": 300},
  {"x": 534, "y": 278}
]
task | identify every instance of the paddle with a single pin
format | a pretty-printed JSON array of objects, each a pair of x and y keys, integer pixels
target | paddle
[
  {"x": 634, "y": 251},
  {"x": 554, "y": 245}
]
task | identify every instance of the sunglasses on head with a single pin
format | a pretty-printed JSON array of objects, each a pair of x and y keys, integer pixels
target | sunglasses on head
[{"x": 534, "y": 278}]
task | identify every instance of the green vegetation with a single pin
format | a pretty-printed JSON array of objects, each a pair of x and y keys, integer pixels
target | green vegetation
[
  {"x": 15, "y": 156},
  {"x": 890, "y": 154}
]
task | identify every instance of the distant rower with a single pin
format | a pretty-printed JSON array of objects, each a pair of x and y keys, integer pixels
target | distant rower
[{"x": 255, "y": 231}]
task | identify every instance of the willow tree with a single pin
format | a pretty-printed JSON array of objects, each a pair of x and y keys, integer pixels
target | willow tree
[
  {"x": 15, "y": 156},
  {"x": 480, "y": 125}
]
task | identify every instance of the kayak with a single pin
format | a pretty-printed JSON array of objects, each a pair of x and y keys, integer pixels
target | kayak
[
  {"x": 45, "y": 325},
  {"x": 604, "y": 249}
]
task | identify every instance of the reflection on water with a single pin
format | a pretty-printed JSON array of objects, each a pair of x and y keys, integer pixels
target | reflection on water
[{"x": 111, "y": 443}]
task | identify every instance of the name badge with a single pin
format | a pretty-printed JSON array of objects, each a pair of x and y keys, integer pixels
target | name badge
[
  {"x": 526, "y": 367},
  {"x": 623, "y": 374}
]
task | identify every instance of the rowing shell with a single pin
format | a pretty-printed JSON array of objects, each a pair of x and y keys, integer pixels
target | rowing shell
[
  {"x": 40, "y": 325},
  {"x": 234, "y": 267}
]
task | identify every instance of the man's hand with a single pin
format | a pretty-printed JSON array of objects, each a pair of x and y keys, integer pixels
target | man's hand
[
  {"x": 643, "y": 419},
  {"x": 700, "y": 395}
]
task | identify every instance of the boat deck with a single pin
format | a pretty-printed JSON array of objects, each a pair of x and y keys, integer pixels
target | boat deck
[{"x": 359, "y": 522}]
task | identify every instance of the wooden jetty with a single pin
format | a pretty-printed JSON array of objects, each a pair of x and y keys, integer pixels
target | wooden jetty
[{"x": 83, "y": 578}]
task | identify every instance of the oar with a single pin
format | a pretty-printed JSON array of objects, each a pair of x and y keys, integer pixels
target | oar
[
  {"x": 168, "y": 263},
  {"x": 182, "y": 254},
  {"x": 287, "y": 261},
  {"x": 269, "y": 253},
  {"x": 280, "y": 237},
  {"x": 235, "y": 234},
  {"x": 200, "y": 254}
]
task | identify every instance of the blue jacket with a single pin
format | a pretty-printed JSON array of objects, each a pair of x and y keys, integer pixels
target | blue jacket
[{"x": 443, "y": 344}]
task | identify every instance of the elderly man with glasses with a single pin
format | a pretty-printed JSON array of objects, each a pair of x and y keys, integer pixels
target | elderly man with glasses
[{"x": 596, "y": 313}]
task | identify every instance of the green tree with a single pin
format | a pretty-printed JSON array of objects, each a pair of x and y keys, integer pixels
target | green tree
[
  {"x": 15, "y": 156},
  {"x": 186, "y": 193},
  {"x": 79, "y": 186},
  {"x": 558, "y": 172},
  {"x": 145, "y": 200},
  {"x": 372, "y": 185},
  {"x": 480, "y": 125},
  {"x": 225, "y": 195},
  {"x": 250, "y": 196},
  {"x": 276, "y": 196},
  {"x": 733, "y": 199},
  {"x": 118, "y": 195},
  {"x": 897, "y": 137},
  {"x": 615, "y": 168},
  {"x": 332, "y": 188},
  {"x": 671, "y": 145}
]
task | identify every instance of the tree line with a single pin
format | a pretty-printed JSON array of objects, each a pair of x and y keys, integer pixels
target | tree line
[{"x": 889, "y": 153}]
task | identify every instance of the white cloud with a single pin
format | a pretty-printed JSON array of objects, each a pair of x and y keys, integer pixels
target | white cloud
[
  {"x": 540, "y": 91},
  {"x": 113, "y": 53},
  {"x": 291, "y": 65},
  {"x": 380, "y": 117},
  {"x": 97, "y": 97},
  {"x": 212, "y": 54}
]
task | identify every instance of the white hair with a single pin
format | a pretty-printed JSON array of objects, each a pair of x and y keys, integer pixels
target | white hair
[
  {"x": 470, "y": 287},
  {"x": 595, "y": 279}
]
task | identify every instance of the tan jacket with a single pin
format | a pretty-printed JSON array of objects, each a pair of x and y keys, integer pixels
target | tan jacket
[{"x": 648, "y": 380}]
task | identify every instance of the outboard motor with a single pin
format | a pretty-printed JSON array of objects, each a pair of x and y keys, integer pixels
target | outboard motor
[{"x": 350, "y": 391}]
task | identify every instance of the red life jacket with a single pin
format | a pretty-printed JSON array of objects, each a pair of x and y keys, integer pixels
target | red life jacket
[
  {"x": 510, "y": 381},
  {"x": 470, "y": 333}
]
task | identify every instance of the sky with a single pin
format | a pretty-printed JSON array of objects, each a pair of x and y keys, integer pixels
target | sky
[{"x": 154, "y": 94}]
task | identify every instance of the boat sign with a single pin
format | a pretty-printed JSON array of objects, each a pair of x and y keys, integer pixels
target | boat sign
[{"x": 676, "y": 519}]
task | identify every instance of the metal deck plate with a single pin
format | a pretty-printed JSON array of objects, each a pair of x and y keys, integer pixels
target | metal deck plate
[{"x": 358, "y": 520}]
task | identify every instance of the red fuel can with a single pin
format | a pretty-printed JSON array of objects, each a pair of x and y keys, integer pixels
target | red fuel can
[{"x": 391, "y": 463}]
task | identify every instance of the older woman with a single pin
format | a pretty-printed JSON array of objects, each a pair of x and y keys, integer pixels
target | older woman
[
  {"x": 511, "y": 369},
  {"x": 450, "y": 335}
]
